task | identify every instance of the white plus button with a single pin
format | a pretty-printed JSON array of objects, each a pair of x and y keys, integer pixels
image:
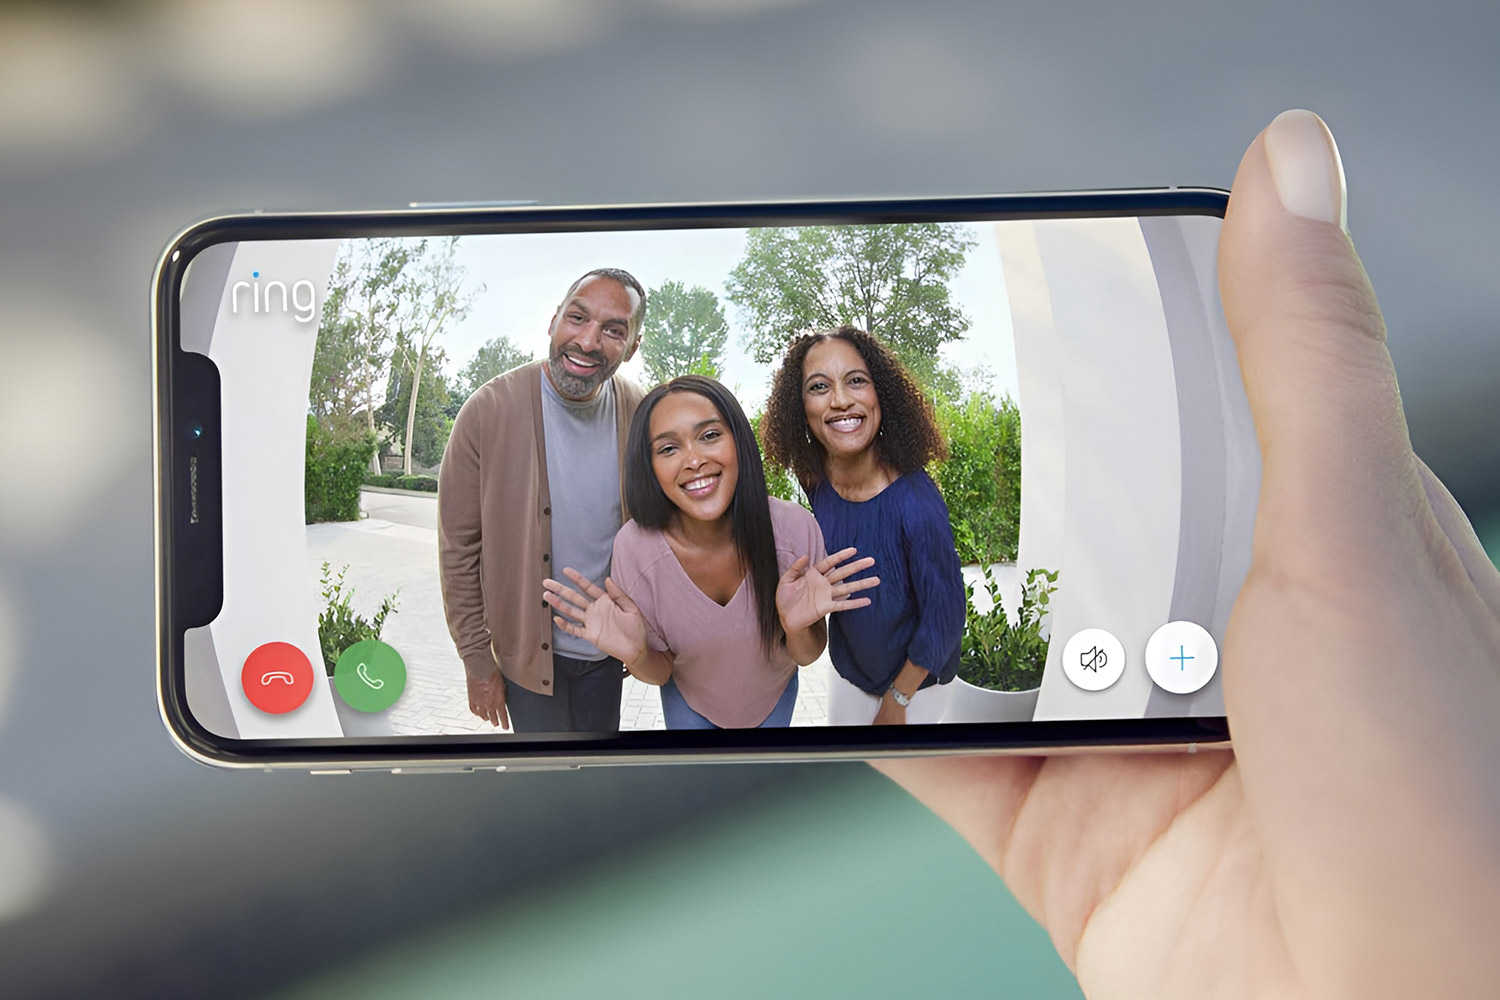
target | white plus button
[{"x": 1181, "y": 657}]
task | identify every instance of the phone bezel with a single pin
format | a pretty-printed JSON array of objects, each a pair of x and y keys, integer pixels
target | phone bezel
[{"x": 177, "y": 399}]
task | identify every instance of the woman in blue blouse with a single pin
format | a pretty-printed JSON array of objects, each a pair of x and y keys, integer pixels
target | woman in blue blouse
[{"x": 850, "y": 422}]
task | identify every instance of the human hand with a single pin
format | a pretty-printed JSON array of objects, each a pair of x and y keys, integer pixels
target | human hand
[
  {"x": 606, "y": 618},
  {"x": 806, "y": 595},
  {"x": 487, "y": 699},
  {"x": 890, "y": 713},
  {"x": 1350, "y": 846}
]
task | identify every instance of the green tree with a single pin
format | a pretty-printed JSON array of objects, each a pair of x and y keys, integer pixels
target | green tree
[
  {"x": 684, "y": 332},
  {"x": 432, "y": 281},
  {"x": 709, "y": 367},
  {"x": 492, "y": 358},
  {"x": 362, "y": 312},
  {"x": 430, "y": 424},
  {"x": 890, "y": 280}
]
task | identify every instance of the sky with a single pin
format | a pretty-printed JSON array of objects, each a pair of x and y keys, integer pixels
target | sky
[{"x": 519, "y": 279}]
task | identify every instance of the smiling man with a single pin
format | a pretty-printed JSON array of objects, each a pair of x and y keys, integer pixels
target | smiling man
[{"x": 531, "y": 481}]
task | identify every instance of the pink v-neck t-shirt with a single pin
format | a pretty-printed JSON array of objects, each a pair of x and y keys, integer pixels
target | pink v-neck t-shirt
[{"x": 715, "y": 649}]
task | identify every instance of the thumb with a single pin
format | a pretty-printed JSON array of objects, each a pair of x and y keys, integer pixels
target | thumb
[{"x": 1337, "y": 465}]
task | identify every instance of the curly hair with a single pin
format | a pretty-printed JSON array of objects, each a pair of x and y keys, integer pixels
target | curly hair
[{"x": 908, "y": 438}]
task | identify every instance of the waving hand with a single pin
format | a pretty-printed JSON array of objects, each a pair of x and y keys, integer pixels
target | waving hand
[
  {"x": 607, "y": 618},
  {"x": 808, "y": 593}
]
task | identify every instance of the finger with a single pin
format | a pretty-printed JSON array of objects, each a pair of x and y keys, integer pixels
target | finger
[
  {"x": 1338, "y": 473},
  {"x": 572, "y": 613},
  {"x": 796, "y": 569},
  {"x": 843, "y": 572},
  {"x": 1460, "y": 532},
  {"x": 851, "y": 604},
  {"x": 575, "y": 630},
  {"x": 585, "y": 584},
  {"x": 502, "y": 715},
  {"x": 568, "y": 594},
  {"x": 830, "y": 561},
  {"x": 856, "y": 585},
  {"x": 621, "y": 599}
]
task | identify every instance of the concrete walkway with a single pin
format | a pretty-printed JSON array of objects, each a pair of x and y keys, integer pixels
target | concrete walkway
[{"x": 394, "y": 550}]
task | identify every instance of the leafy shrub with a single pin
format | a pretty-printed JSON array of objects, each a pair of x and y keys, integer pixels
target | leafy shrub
[
  {"x": 981, "y": 480},
  {"x": 397, "y": 481},
  {"x": 339, "y": 627},
  {"x": 998, "y": 655},
  {"x": 779, "y": 481},
  {"x": 336, "y": 466}
]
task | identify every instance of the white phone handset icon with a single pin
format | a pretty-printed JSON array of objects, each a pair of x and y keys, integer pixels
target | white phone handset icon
[
  {"x": 364, "y": 675},
  {"x": 277, "y": 675}
]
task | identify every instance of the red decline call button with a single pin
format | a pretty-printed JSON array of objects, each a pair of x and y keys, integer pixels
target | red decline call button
[{"x": 277, "y": 677}]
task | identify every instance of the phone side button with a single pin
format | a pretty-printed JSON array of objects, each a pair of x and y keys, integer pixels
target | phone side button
[{"x": 336, "y": 771}]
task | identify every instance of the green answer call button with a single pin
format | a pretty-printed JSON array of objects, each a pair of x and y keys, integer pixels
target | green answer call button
[{"x": 370, "y": 676}]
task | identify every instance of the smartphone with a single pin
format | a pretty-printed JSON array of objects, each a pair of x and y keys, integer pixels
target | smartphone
[{"x": 380, "y": 435}]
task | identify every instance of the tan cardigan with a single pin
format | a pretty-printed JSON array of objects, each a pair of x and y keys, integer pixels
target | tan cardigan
[{"x": 494, "y": 526}]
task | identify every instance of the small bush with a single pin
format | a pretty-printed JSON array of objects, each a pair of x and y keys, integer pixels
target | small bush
[
  {"x": 779, "y": 481},
  {"x": 981, "y": 480},
  {"x": 336, "y": 466},
  {"x": 998, "y": 655},
  {"x": 397, "y": 481},
  {"x": 338, "y": 625}
]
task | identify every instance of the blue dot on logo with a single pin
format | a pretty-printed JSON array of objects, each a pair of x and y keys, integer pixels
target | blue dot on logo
[{"x": 255, "y": 274}]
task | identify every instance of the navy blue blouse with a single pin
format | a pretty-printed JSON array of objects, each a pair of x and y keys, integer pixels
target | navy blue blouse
[{"x": 917, "y": 612}]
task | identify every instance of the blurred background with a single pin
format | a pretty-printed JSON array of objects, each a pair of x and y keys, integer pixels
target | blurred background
[{"x": 127, "y": 871}]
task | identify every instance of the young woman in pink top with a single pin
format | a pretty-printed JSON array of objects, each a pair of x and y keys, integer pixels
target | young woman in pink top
[{"x": 716, "y": 592}]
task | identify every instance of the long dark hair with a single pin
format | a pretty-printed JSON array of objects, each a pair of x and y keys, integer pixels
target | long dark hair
[
  {"x": 909, "y": 436},
  {"x": 749, "y": 508}
]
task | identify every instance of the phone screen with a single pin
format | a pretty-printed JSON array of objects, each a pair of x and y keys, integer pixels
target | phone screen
[{"x": 1035, "y": 427}]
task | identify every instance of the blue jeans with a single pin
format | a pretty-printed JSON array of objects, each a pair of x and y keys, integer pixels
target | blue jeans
[
  {"x": 679, "y": 715},
  {"x": 585, "y": 699}
]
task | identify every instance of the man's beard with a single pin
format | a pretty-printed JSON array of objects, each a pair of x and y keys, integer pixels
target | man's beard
[{"x": 578, "y": 386}]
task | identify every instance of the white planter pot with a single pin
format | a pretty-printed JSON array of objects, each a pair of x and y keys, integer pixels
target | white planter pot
[
  {"x": 357, "y": 723},
  {"x": 968, "y": 703}
]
